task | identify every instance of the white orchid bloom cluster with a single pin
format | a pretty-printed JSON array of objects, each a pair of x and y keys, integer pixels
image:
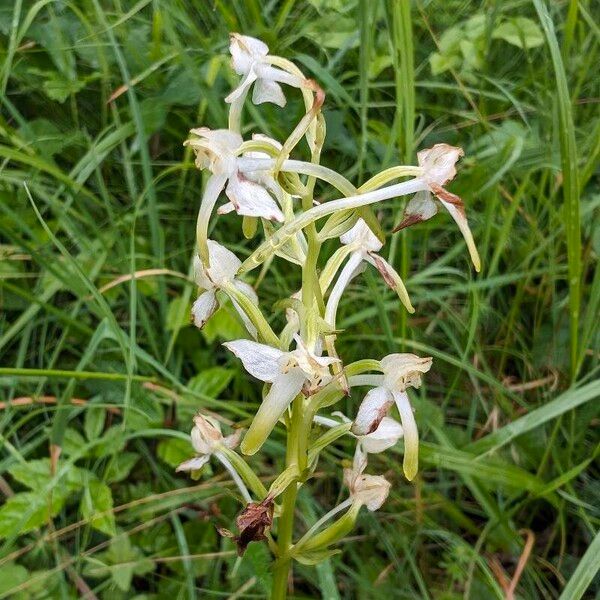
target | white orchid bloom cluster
[{"x": 300, "y": 367}]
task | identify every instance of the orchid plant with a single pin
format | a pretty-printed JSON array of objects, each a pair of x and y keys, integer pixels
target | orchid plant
[{"x": 302, "y": 371}]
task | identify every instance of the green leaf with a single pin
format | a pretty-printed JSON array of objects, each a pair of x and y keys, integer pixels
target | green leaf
[
  {"x": 178, "y": 314},
  {"x": 121, "y": 562},
  {"x": 174, "y": 451},
  {"x": 36, "y": 475},
  {"x": 27, "y": 511},
  {"x": 94, "y": 421},
  {"x": 12, "y": 575},
  {"x": 223, "y": 325},
  {"x": 211, "y": 382},
  {"x": 316, "y": 556},
  {"x": 520, "y": 32},
  {"x": 565, "y": 402},
  {"x": 440, "y": 63},
  {"x": 120, "y": 466},
  {"x": 585, "y": 572},
  {"x": 97, "y": 498},
  {"x": 59, "y": 88}
]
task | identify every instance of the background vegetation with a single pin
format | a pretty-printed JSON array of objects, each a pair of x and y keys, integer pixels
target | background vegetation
[{"x": 96, "y": 99}]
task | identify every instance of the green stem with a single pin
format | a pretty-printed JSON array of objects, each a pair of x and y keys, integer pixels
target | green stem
[{"x": 288, "y": 507}]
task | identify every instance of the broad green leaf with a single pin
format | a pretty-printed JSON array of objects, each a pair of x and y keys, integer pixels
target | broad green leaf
[
  {"x": 120, "y": 466},
  {"x": 223, "y": 325},
  {"x": 178, "y": 314},
  {"x": 12, "y": 575},
  {"x": 174, "y": 451},
  {"x": 26, "y": 511},
  {"x": 521, "y": 32},
  {"x": 211, "y": 382},
  {"x": 93, "y": 422},
  {"x": 96, "y": 506}
]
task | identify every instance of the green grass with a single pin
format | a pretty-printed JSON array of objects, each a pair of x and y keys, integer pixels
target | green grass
[{"x": 92, "y": 189}]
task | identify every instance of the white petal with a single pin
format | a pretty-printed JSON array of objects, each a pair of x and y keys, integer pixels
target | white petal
[
  {"x": 270, "y": 73},
  {"x": 241, "y": 90},
  {"x": 372, "y": 410},
  {"x": 261, "y": 137},
  {"x": 203, "y": 308},
  {"x": 411, "y": 435},
  {"x": 332, "y": 266},
  {"x": 251, "y": 199},
  {"x": 206, "y": 434},
  {"x": 259, "y": 360},
  {"x": 284, "y": 389},
  {"x": 384, "y": 437},
  {"x": 392, "y": 278},
  {"x": 247, "y": 290},
  {"x": 351, "y": 268},
  {"x": 211, "y": 192},
  {"x": 250, "y": 328},
  {"x": 224, "y": 264},
  {"x": 200, "y": 274},
  {"x": 193, "y": 464},
  {"x": 439, "y": 162},
  {"x": 226, "y": 208},
  {"x": 231, "y": 441},
  {"x": 268, "y": 91},
  {"x": 372, "y": 491},
  {"x": 420, "y": 208},
  {"x": 362, "y": 236},
  {"x": 245, "y": 51}
]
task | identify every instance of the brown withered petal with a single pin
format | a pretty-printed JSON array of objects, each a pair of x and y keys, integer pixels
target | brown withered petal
[
  {"x": 253, "y": 522},
  {"x": 407, "y": 222},
  {"x": 444, "y": 194}
]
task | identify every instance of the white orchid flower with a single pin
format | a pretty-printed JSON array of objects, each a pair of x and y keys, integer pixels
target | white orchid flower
[
  {"x": 216, "y": 150},
  {"x": 207, "y": 441},
  {"x": 289, "y": 373},
  {"x": 438, "y": 164},
  {"x": 384, "y": 436},
  {"x": 368, "y": 490},
  {"x": 400, "y": 371},
  {"x": 224, "y": 265},
  {"x": 250, "y": 59},
  {"x": 363, "y": 246}
]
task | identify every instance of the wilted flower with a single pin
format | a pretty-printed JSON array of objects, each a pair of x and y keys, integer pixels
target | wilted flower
[
  {"x": 368, "y": 490},
  {"x": 290, "y": 373},
  {"x": 207, "y": 439},
  {"x": 221, "y": 272},
  {"x": 438, "y": 164},
  {"x": 250, "y": 60},
  {"x": 252, "y": 523},
  {"x": 364, "y": 245},
  {"x": 400, "y": 371}
]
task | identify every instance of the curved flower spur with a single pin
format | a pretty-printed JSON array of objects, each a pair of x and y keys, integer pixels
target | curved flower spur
[{"x": 300, "y": 368}]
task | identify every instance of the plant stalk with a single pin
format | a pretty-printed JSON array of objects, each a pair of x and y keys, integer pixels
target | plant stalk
[{"x": 288, "y": 507}]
